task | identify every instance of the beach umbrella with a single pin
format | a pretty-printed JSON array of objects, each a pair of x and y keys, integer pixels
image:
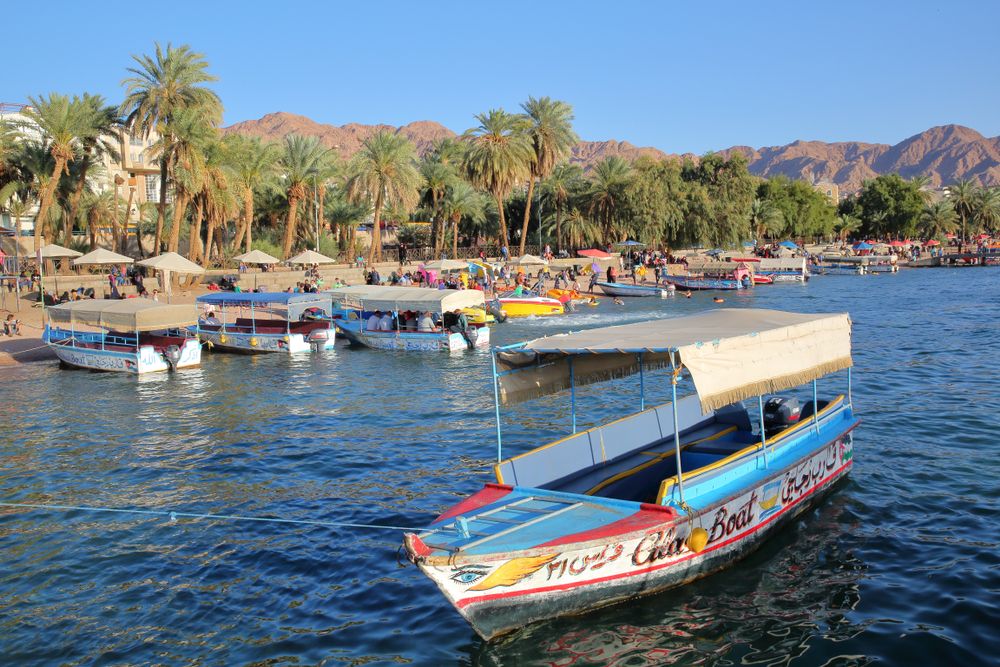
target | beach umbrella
[
  {"x": 447, "y": 265},
  {"x": 861, "y": 245},
  {"x": 898, "y": 244},
  {"x": 530, "y": 260},
  {"x": 982, "y": 237},
  {"x": 593, "y": 253},
  {"x": 933, "y": 242},
  {"x": 715, "y": 252},
  {"x": 630, "y": 243},
  {"x": 310, "y": 257},
  {"x": 791, "y": 245},
  {"x": 53, "y": 251},
  {"x": 171, "y": 261},
  {"x": 256, "y": 257},
  {"x": 101, "y": 256}
]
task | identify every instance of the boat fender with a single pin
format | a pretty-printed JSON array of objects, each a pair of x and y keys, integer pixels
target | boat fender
[
  {"x": 697, "y": 540},
  {"x": 253, "y": 341},
  {"x": 284, "y": 338},
  {"x": 222, "y": 338}
]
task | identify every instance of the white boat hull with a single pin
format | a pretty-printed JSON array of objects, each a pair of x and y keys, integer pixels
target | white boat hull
[
  {"x": 260, "y": 343},
  {"x": 145, "y": 360}
]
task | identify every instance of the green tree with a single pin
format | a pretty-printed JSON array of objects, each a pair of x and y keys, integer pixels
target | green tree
[
  {"x": 565, "y": 181},
  {"x": 963, "y": 198},
  {"x": 498, "y": 158},
  {"x": 436, "y": 177},
  {"x": 889, "y": 205},
  {"x": 986, "y": 210},
  {"x": 766, "y": 219},
  {"x": 161, "y": 85},
  {"x": 302, "y": 159},
  {"x": 463, "y": 202},
  {"x": 384, "y": 173},
  {"x": 65, "y": 122},
  {"x": 254, "y": 167},
  {"x": 606, "y": 196},
  {"x": 804, "y": 210},
  {"x": 552, "y": 138},
  {"x": 104, "y": 122},
  {"x": 937, "y": 219},
  {"x": 846, "y": 225}
]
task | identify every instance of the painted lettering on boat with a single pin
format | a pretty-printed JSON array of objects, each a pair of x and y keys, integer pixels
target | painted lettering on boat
[
  {"x": 579, "y": 564},
  {"x": 657, "y": 546},
  {"x": 726, "y": 523},
  {"x": 800, "y": 480}
]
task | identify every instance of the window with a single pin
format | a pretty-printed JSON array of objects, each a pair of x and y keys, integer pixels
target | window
[
  {"x": 152, "y": 188},
  {"x": 135, "y": 141}
]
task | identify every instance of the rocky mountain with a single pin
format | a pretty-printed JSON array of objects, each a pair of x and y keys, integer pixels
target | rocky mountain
[{"x": 945, "y": 154}]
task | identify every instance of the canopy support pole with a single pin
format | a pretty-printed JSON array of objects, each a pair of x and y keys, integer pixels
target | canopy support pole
[
  {"x": 642, "y": 384},
  {"x": 572, "y": 394},
  {"x": 850, "y": 400},
  {"x": 677, "y": 430},
  {"x": 496, "y": 405},
  {"x": 815, "y": 409},
  {"x": 253, "y": 320},
  {"x": 763, "y": 435}
]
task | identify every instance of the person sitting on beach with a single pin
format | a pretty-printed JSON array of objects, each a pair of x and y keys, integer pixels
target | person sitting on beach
[
  {"x": 12, "y": 326},
  {"x": 426, "y": 323},
  {"x": 374, "y": 320}
]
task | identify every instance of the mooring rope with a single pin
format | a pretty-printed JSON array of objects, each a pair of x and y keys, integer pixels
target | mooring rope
[{"x": 174, "y": 515}]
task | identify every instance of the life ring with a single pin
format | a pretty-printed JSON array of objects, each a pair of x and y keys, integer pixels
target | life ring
[
  {"x": 253, "y": 341},
  {"x": 222, "y": 338}
]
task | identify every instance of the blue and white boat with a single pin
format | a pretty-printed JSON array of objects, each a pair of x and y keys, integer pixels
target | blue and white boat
[
  {"x": 623, "y": 289},
  {"x": 125, "y": 335},
  {"x": 256, "y": 322},
  {"x": 657, "y": 499},
  {"x": 407, "y": 308}
]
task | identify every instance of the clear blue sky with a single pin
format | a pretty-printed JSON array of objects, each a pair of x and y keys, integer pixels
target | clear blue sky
[{"x": 678, "y": 76}]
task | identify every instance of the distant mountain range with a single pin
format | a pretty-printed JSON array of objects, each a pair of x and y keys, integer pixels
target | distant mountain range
[{"x": 946, "y": 154}]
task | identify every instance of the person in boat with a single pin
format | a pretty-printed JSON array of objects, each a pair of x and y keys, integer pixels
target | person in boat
[
  {"x": 373, "y": 321},
  {"x": 461, "y": 326},
  {"x": 426, "y": 323},
  {"x": 519, "y": 290},
  {"x": 386, "y": 323},
  {"x": 410, "y": 320},
  {"x": 209, "y": 319}
]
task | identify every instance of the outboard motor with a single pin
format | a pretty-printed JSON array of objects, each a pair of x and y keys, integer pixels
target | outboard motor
[
  {"x": 318, "y": 338},
  {"x": 780, "y": 412},
  {"x": 172, "y": 355},
  {"x": 498, "y": 312},
  {"x": 472, "y": 335}
]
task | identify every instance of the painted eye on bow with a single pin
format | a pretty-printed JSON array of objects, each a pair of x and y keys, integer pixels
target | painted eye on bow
[{"x": 468, "y": 575}]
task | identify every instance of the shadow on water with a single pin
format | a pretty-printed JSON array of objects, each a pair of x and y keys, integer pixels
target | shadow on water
[{"x": 900, "y": 565}]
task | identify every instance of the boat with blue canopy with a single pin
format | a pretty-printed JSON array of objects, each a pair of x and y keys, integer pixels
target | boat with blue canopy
[
  {"x": 411, "y": 318},
  {"x": 656, "y": 499},
  {"x": 256, "y": 322},
  {"x": 126, "y": 335}
]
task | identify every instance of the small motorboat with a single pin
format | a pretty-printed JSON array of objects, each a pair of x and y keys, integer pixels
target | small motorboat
[
  {"x": 528, "y": 306},
  {"x": 623, "y": 289}
]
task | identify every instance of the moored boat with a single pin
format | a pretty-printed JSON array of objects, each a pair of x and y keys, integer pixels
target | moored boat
[
  {"x": 527, "y": 305},
  {"x": 659, "y": 498},
  {"x": 623, "y": 289},
  {"x": 714, "y": 275},
  {"x": 417, "y": 318},
  {"x": 126, "y": 335},
  {"x": 257, "y": 322}
]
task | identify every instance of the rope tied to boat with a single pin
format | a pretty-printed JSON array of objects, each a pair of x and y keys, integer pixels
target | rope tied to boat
[{"x": 172, "y": 516}]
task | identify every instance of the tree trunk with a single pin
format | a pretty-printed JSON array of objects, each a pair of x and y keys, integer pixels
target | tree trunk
[
  {"x": 194, "y": 244},
  {"x": 503, "y": 220},
  {"x": 180, "y": 208},
  {"x": 74, "y": 200},
  {"x": 293, "y": 205},
  {"x": 375, "y": 251},
  {"x": 527, "y": 215},
  {"x": 559, "y": 229},
  {"x": 437, "y": 233},
  {"x": 115, "y": 237},
  {"x": 454, "y": 239},
  {"x": 46, "y": 201},
  {"x": 138, "y": 232},
  {"x": 161, "y": 208},
  {"x": 209, "y": 236},
  {"x": 320, "y": 216},
  {"x": 248, "y": 212}
]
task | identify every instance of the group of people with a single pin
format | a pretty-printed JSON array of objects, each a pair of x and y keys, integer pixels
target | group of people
[{"x": 407, "y": 320}]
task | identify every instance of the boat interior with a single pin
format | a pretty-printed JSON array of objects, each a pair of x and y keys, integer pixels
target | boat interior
[
  {"x": 276, "y": 326},
  {"x": 118, "y": 341},
  {"x": 619, "y": 460}
]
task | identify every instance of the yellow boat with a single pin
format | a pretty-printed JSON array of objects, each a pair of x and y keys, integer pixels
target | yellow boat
[
  {"x": 479, "y": 316},
  {"x": 528, "y": 306}
]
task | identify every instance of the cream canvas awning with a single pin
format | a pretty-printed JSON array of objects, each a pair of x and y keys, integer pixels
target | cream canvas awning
[
  {"x": 310, "y": 257},
  {"x": 783, "y": 263},
  {"x": 102, "y": 256},
  {"x": 731, "y": 354},
  {"x": 447, "y": 265},
  {"x": 53, "y": 251},
  {"x": 375, "y": 297},
  {"x": 256, "y": 257},
  {"x": 171, "y": 261},
  {"x": 124, "y": 314}
]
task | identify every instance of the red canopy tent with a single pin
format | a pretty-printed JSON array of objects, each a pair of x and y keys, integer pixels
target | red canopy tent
[{"x": 933, "y": 242}]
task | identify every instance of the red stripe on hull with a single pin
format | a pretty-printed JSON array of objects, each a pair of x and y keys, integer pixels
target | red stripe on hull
[
  {"x": 590, "y": 582},
  {"x": 638, "y": 521},
  {"x": 485, "y": 496}
]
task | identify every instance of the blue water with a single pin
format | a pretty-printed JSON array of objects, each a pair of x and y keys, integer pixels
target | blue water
[{"x": 899, "y": 566}]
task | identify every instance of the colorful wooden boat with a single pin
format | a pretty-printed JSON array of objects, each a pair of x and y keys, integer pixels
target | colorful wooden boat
[
  {"x": 564, "y": 296},
  {"x": 694, "y": 283},
  {"x": 657, "y": 499},
  {"x": 528, "y": 306},
  {"x": 126, "y": 335},
  {"x": 777, "y": 269},
  {"x": 623, "y": 289},
  {"x": 258, "y": 322},
  {"x": 362, "y": 302}
]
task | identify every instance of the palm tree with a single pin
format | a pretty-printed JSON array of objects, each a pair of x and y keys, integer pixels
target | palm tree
[
  {"x": 64, "y": 122},
  {"x": 462, "y": 201},
  {"x": 937, "y": 219},
  {"x": 922, "y": 184},
  {"x": 104, "y": 120},
  {"x": 188, "y": 135},
  {"x": 986, "y": 211},
  {"x": 254, "y": 167},
  {"x": 217, "y": 201},
  {"x": 302, "y": 159},
  {"x": 499, "y": 156},
  {"x": 607, "y": 192},
  {"x": 557, "y": 189},
  {"x": 384, "y": 173},
  {"x": 436, "y": 179},
  {"x": 846, "y": 225},
  {"x": 963, "y": 198},
  {"x": 580, "y": 230},
  {"x": 99, "y": 208},
  {"x": 160, "y": 86},
  {"x": 765, "y": 218},
  {"x": 552, "y": 139}
]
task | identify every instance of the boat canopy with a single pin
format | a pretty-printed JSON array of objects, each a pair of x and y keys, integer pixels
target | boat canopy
[
  {"x": 374, "y": 297},
  {"x": 719, "y": 267},
  {"x": 731, "y": 353},
  {"x": 782, "y": 264},
  {"x": 124, "y": 314},
  {"x": 296, "y": 302}
]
